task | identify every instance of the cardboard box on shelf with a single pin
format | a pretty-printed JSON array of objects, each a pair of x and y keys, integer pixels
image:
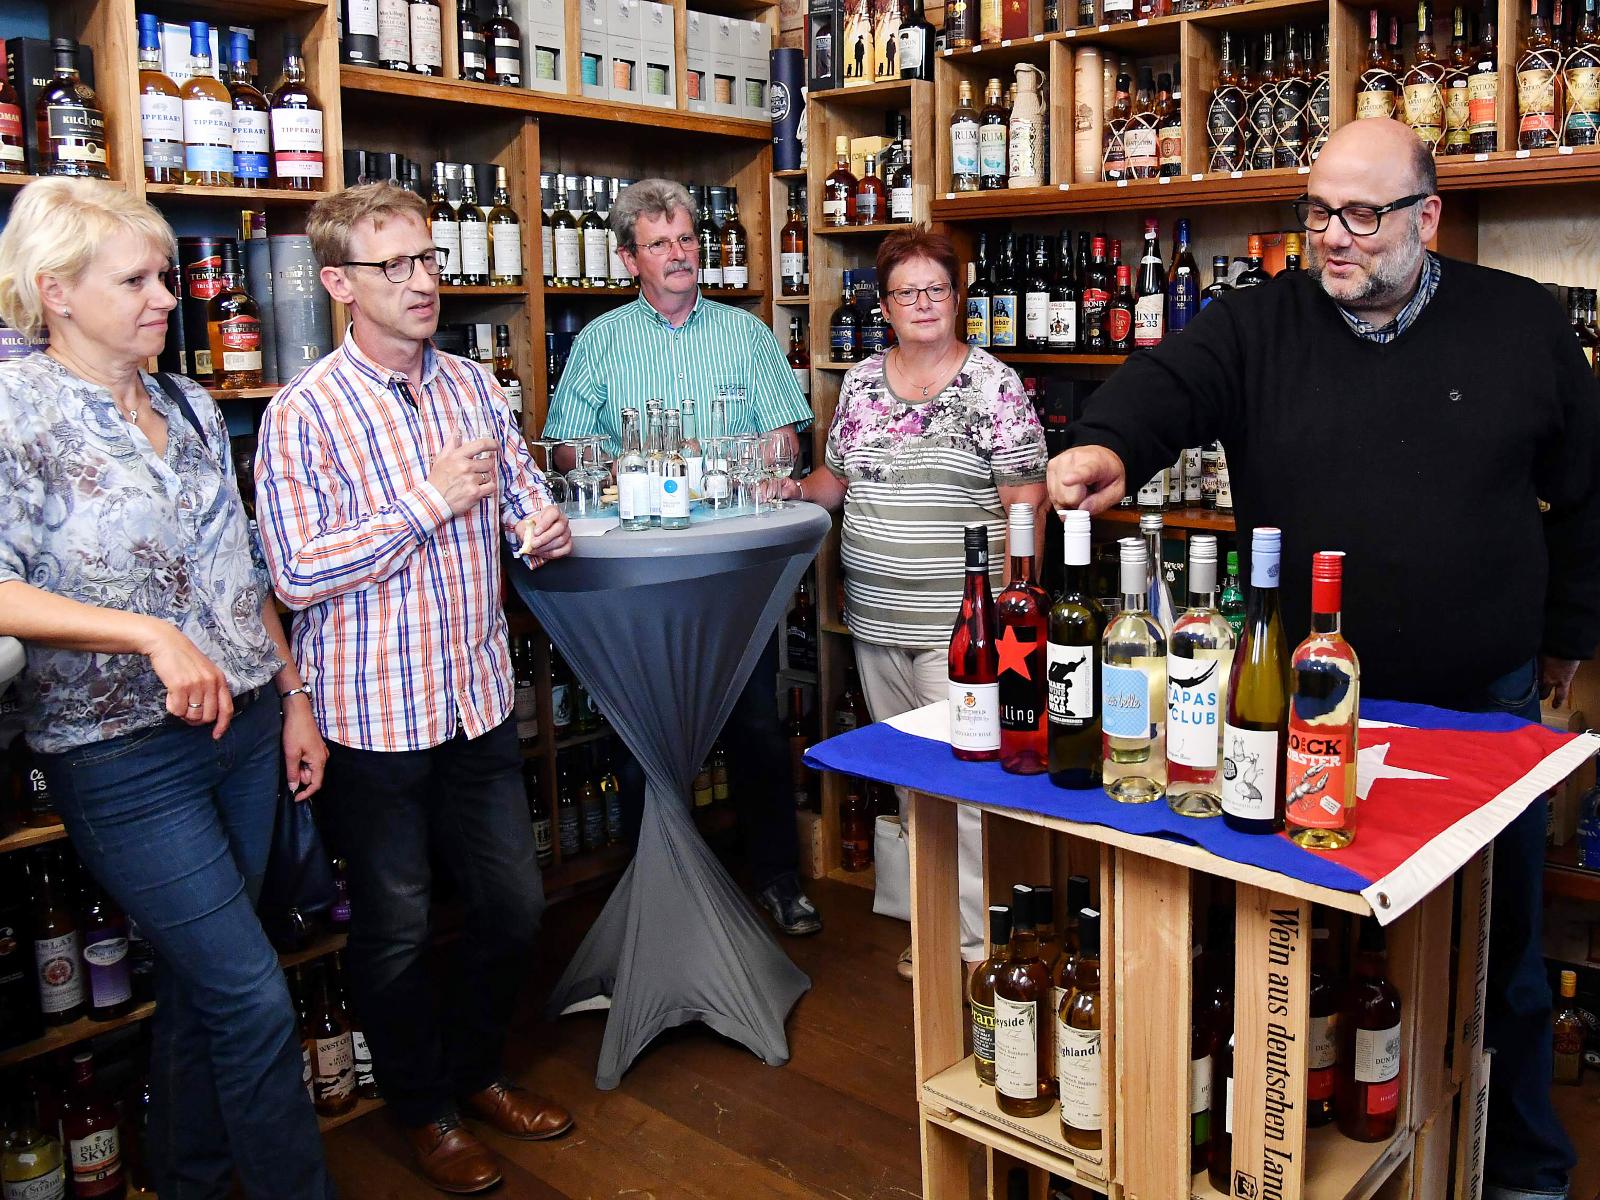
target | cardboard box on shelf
[
  {"x": 592, "y": 49},
  {"x": 659, "y": 85},
  {"x": 545, "y": 36},
  {"x": 697, "y": 83},
  {"x": 824, "y": 35},
  {"x": 861, "y": 147},
  {"x": 725, "y": 66},
  {"x": 624, "y": 51}
]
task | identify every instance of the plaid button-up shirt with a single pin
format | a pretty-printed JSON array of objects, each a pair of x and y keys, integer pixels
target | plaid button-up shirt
[{"x": 1426, "y": 287}]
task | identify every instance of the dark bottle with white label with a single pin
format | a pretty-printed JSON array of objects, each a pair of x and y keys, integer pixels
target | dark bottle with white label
[
  {"x": 1022, "y": 610},
  {"x": 1072, "y": 664},
  {"x": 1022, "y": 1071},
  {"x": 57, "y": 941},
  {"x": 105, "y": 954}
]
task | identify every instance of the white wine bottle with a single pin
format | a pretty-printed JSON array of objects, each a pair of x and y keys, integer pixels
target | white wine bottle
[
  {"x": 1199, "y": 658},
  {"x": 1258, "y": 701},
  {"x": 1133, "y": 690},
  {"x": 1324, "y": 695}
]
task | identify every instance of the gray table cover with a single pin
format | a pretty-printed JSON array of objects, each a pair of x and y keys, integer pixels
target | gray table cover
[{"x": 665, "y": 627}]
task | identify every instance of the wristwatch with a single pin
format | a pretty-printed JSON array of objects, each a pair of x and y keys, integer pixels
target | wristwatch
[{"x": 302, "y": 690}]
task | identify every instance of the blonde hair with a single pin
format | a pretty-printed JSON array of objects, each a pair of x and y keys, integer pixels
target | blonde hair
[
  {"x": 56, "y": 227},
  {"x": 334, "y": 217}
]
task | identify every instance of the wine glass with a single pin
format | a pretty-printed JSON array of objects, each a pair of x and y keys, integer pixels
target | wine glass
[
  {"x": 777, "y": 453},
  {"x": 553, "y": 478},
  {"x": 748, "y": 469}
]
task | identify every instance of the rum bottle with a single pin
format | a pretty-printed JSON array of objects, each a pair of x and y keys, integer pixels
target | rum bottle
[
  {"x": 1377, "y": 91},
  {"x": 1254, "y": 728},
  {"x": 1538, "y": 85},
  {"x": 964, "y": 142},
  {"x": 1139, "y": 140},
  {"x": 1021, "y": 997},
  {"x": 973, "y": 660},
  {"x": 1114, "y": 156},
  {"x": 69, "y": 124},
  {"x": 980, "y": 992},
  {"x": 1095, "y": 338},
  {"x": 1199, "y": 656},
  {"x": 1073, "y": 664},
  {"x": 1119, "y": 314},
  {"x": 1324, "y": 696},
  {"x": 1581, "y": 84},
  {"x": 1225, "y": 115},
  {"x": 1022, "y": 612},
  {"x": 160, "y": 111},
  {"x": 89, "y": 1129},
  {"x": 1457, "y": 103},
  {"x": 1290, "y": 107},
  {"x": 1422, "y": 90},
  {"x": 992, "y": 125},
  {"x": 1320, "y": 104},
  {"x": 1080, "y": 1066},
  {"x": 1263, "y": 99},
  {"x": 1133, "y": 689},
  {"x": 1062, "y": 313},
  {"x": 1367, "y": 1099},
  {"x": 1169, "y": 128},
  {"x": 1483, "y": 86}
]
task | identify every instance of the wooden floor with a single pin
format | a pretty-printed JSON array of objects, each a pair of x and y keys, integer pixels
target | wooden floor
[{"x": 699, "y": 1116}]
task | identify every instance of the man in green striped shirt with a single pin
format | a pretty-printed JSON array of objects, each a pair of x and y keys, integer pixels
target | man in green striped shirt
[{"x": 673, "y": 344}]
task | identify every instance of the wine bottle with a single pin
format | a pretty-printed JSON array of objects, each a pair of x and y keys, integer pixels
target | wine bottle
[
  {"x": 1258, "y": 701},
  {"x": 1021, "y": 993},
  {"x": 1322, "y": 1046},
  {"x": 1133, "y": 689},
  {"x": 1022, "y": 611},
  {"x": 1073, "y": 664},
  {"x": 1367, "y": 1099},
  {"x": 1199, "y": 656},
  {"x": 1324, "y": 695},
  {"x": 1062, "y": 973},
  {"x": 973, "y": 660},
  {"x": 1080, "y": 1067},
  {"x": 980, "y": 992}
]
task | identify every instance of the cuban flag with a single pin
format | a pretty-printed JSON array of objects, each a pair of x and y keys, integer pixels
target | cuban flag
[{"x": 1433, "y": 787}]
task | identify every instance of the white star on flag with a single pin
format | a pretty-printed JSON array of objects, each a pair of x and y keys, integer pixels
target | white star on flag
[{"x": 1372, "y": 765}]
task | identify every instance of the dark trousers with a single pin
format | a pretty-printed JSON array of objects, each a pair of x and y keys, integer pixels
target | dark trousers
[
  {"x": 386, "y": 813},
  {"x": 1527, "y": 1151},
  {"x": 758, "y": 767}
]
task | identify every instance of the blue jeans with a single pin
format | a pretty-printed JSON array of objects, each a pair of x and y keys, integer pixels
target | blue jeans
[
  {"x": 1527, "y": 1152},
  {"x": 176, "y": 827},
  {"x": 386, "y": 813}
]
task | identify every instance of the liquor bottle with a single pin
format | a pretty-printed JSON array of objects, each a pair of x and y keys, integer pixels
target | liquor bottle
[
  {"x": 591, "y": 812},
  {"x": 252, "y": 122},
  {"x": 160, "y": 111},
  {"x": 1119, "y": 314},
  {"x": 360, "y": 1052},
  {"x": 980, "y": 992},
  {"x": 1569, "y": 1032},
  {"x": 505, "y": 238},
  {"x": 655, "y": 453},
  {"x": 444, "y": 228},
  {"x": 799, "y": 357},
  {"x": 735, "y": 247},
  {"x": 1199, "y": 656},
  {"x": 1158, "y": 601},
  {"x": 877, "y": 335},
  {"x": 1377, "y": 91},
  {"x": 844, "y": 326},
  {"x": 1021, "y": 995},
  {"x": 1322, "y": 1043},
  {"x": 800, "y": 630},
  {"x": 800, "y": 739},
  {"x": 1324, "y": 694},
  {"x": 709, "y": 234},
  {"x": 633, "y": 481},
  {"x": 326, "y": 1038},
  {"x": 872, "y": 197},
  {"x": 1318, "y": 121},
  {"x": 1095, "y": 336},
  {"x": 1150, "y": 307},
  {"x": 89, "y": 1130},
  {"x": 1061, "y": 972},
  {"x": 31, "y": 1165},
  {"x": 1231, "y": 601},
  {"x": 1253, "y": 275},
  {"x": 674, "y": 474},
  {"x": 1114, "y": 155},
  {"x": 902, "y": 189},
  {"x": 593, "y": 247},
  {"x": 978, "y": 294},
  {"x": 505, "y": 371},
  {"x": 505, "y": 46},
  {"x": 1133, "y": 689},
  {"x": 358, "y": 23},
  {"x": 1581, "y": 82},
  {"x": 1061, "y": 313},
  {"x": 70, "y": 127},
  {"x": 1051, "y": 942},
  {"x": 474, "y": 230},
  {"x": 207, "y": 117},
  {"x": 1003, "y": 297},
  {"x": 1253, "y": 732},
  {"x": 1080, "y": 1067},
  {"x": 1219, "y": 1159},
  {"x": 1262, "y": 107},
  {"x": 1457, "y": 102},
  {"x": 1140, "y": 138},
  {"x": 1367, "y": 1098},
  {"x": 793, "y": 242},
  {"x": 1022, "y": 613},
  {"x": 1483, "y": 85},
  {"x": 1169, "y": 128},
  {"x": 296, "y": 124},
  {"x": 57, "y": 942},
  {"x": 1290, "y": 106},
  {"x": 1076, "y": 624},
  {"x": 1538, "y": 85},
  {"x": 1291, "y": 252},
  {"x": 472, "y": 43},
  {"x": 964, "y": 142},
  {"x": 424, "y": 26},
  {"x": 233, "y": 327},
  {"x": 839, "y": 189},
  {"x": 105, "y": 954},
  {"x": 1225, "y": 115},
  {"x": 569, "y": 817},
  {"x": 1219, "y": 284},
  {"x": 973, "y": 660},
  {"x": 1036, "y": 288},
  {"x": 1422, "y": 89},
  {"x": 394, "y": 34},
  {"x": 1183, "y": 281},
  {"x": 992, "y": 128}
]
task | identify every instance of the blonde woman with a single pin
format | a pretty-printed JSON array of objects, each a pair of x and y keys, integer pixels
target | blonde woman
[{"x": 159, "y": 695}]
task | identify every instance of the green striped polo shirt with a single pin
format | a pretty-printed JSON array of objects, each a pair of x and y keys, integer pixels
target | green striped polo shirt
[
  {"x": 632, "y": 355},
  {"x": 915, "y": 475}
]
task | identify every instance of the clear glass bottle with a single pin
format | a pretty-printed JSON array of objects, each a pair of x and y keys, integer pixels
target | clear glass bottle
[
  {"x": 1324, "y": 695},
  {"x": 474, "y": 229},
  {"x": 1199, "y": 656},
  {"x": 1258, "y": 701},
  {"x": 964, "y": 142},
  {"x": 207, "y": 117},
  {"x": 444, "y": 228},
  {"x": 1080, "y": 1066},
  {"x": 566, "y": 240},
  {"x": 735, "y": 246},
  {"x": 718, "y": 479},
  {"x": 592, "y": 238},
  {"x": 160, "y": 109},
  {"x": 674, "y": 474},
  {"x": 1133, "y": 688},
  {"x": 505, "y": 237},
  {"x": 690, "y": 447},
  {"x": 655, "y": 454},
  {"x": 633, "y": 477},
  {"x": 993, "y": 125},
  {"x": 1159, "y": 602}
]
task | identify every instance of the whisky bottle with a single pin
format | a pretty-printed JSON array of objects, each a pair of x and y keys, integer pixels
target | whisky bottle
[
  {"x": 964, "y": 142},
  {"x": 505, "y": 47},
  {"x": 1581, "y": 85},
  {"x": 1483, "y": 86},
  {"x": 57, "y": 941},
  {"x": 1367, "y": 1097},
  {"x": 1322, "y": 1044},
  {"x": 105, "y": 954},
  {"x": 1225, "y": 115},
  {"x": 839, "y": 188},
  {"x": 1377, "y": 91},
  {"x": 425, "y": 29},
  {"x": 1422, "y": 90},
  {"x": 1324, "y": 693},
  {"x": 1457, "y": 103},
  {"x": 13, "y": 148},
  {"x": 233, "y": 327},
  {"x": 566, "y": 242},
  {"x": 252, "y": 120},
  {"x": 1133, "y": 688},
  {"x": 793, "y": 242},
  {"x": 1073, "y": 671},
  {"x": 89, "y": 1129},
  {"x": 1538, "y": 85},
  {"x": 207, "y": 117},
  {"x": 31, "y": 1162},
  {"x": 505, "y": 371},
  {"x": 474, "y": 231},
  {"x": 1199, "y": 656},
  {"x": 799, "y": 357},
  {"x": 1021, "y": 997},
  {"x": 70, "y": 127},
  {"x": 710, "y": 236},
  {"x": 296, "y": 124},
  {"x": 980, "y": 992},
  {"x": 326, "y": 1035},
  {"x": 1061, "y": 973},
  {"x": 992, "y": 132},
  {"x": 472, "y": 43},
  {"x": 871, "y": 195},
  {"x": 900, "y": 182},
  {"x": 505, "y": 238},
  {"x": 1080, "y": 1066},
  {"x": 394, "y": 34},
  {"x": 444, "y": 228},
  {"x": 1569, "y": 1033},
  {"x": 160, "y": 111},
  {"x": 735, "y": 246}
]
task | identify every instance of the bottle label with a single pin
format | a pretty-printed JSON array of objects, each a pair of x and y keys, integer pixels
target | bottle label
[
  {"x": 1377, "y": 102},
  {"x": 1063, "y": 323},
  {"x": 1425, "y": 110},
  {"x": 60, "y": 980},
  {"x": 208, "y": 135},
  {"x": 96, "y": 1163},
  {"x": 394, "y": 37},
  {"x": 1022, "y": 701},
  {"x": 974, "y": 716},
  {"x": 447, "y": 236},
  {"x": 1483, "y": 89},
  {"x": 1119, "y": 323},
  {"x": 1016, "y": 1048},
  {"x": 252, "y": 145},
  {"x": 1139, "y": 145},
  {"x": 78, "y": 134},
  {"x": 834, "y": 211},
  {"x": 297, "y": 143},
  {"x": 964, "y": 149},
  {"x": 1003, "y": 320},
  {"x": 1200, "y": 1085},
  {"x": 867, "y": 207},
  {"x": 1081, "y": 1072},
  {"x": 1322, "y": 1047},
  {"x": 633, "y": 494},
  {"x": 508, "y": 58},
  {"x": 334, "y": 1072},
  {"x": 569, "y": 253},
  {"x": 1377, "y": 1061},
  {"x": 359, "y": 1050},
  {"x": 1125, "y": 700},
  {"x": 842, "y": 341},
  {"x": 110, "y": 982},
  {"x": 50, "y": 1186},
  {"x": 983, "y": 1033},
  {"x": 1536, "y": 100},
  {"x": 1583, "y": 97},
  {"x": 1195, "y": 687},
  {"x": 674, "y": 497},
  {"x": 1169, "y": 148},
  {"x": 1036, "y": 316},
  {"x": 617, "y": 269},
  {"x": 1249, "y": 772},
  {"x": 977, "y": 320},
  {"x": 912, "y": 42},
  {"x": 792, "y": 264},
  {"x": 474, "y": 52},
  {"x": 426, "y": 45},
  {"x": 1022, "y": 153},
  {"x": 1315, "y": 765},
  {"x": 1227, "y": 1107},
  {"x": 1071, "y": 688},
  {"x": 506, "y": 247},
  {"x": 992, "y": 150},
  {"x": 1149, "y": 319},
  {"x": 11, "y": 132},
  {"x": 161, "y": 127},
  {"x": 901, "y": 203},
  {"x": 561, "y": 705},
  {"x": 241, "y": 344},
  {"x": 1457, "y": 112}
]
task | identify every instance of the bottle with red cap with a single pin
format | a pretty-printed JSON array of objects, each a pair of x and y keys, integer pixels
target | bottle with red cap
[
  {"x": 1324, "y": 695},
  {"x": 1253, "y": 275},
  {"x": 1096, "y": 300},
  {"x": 1119, "y": 316},
  {"x": 974, "y": 662}
]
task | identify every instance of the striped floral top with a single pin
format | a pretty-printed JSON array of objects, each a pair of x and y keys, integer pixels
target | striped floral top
[
  {"x": 401, "y": 635},
  {"x": 915, "y": 475}
]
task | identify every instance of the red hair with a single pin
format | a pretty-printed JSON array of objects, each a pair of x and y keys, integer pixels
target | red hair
[{"x": 918, "y": 242}]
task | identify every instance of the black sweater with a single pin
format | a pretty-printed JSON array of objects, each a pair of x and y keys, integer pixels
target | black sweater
[{"x": 1423, "y": 459}]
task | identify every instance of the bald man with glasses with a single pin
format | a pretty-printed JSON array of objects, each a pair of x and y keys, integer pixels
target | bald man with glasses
[{"x": 1437, "y": 422}]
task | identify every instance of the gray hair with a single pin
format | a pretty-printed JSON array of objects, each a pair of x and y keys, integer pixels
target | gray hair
[
  {"x": 1423, "y": 171},
  {"x": 657, "y": 198}
]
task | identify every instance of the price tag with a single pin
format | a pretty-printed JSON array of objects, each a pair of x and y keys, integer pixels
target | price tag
[
  {"x": 1004, "y": 42},
  {"x": 1105, "y": 29},
  {"x": 1196, "y": 177},
  {"x": 975, "y": 49},
  {"x": 949, "y": 195},
  {"x": 1064, "y": 186},
  {"x": 1038, "y": 37},
  {"x": 1302, "y": 170},
  {"x": 1235, "y": 174},
  {"x": 1524, "y": 153},
  {"x": 1141, "y": 22},
  {"x": 1071, "y": 33},
  {"x": 1122, "y": 183},
  {"x": 1480, "y": 158},
  {"x": 1564, "y": 150},
  {"x": 1164, "y": 179}
]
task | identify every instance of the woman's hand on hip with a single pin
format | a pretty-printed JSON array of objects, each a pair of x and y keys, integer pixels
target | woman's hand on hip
[
  {"x": 197, "y": 690},
  {"x": 305, "y": 754}
]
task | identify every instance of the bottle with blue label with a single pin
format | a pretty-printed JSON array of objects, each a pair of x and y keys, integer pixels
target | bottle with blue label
[
  {"x": 207, "y": 117},
  {"x": 844, "y": 327},
  {"x": 1133, "y": 689},
  {"x": 1199, "y": 656},
  {"x": 252, "y": 138}
]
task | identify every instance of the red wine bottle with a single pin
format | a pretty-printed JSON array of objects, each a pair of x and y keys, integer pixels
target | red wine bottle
[
  {"x": 1023, "y": 611},
  {"x": 1367, "y": 1101},
  {"x": 974, "y": 660}
]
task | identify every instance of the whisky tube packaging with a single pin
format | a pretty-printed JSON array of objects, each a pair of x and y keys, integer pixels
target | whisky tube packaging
[
  {"x": 258, "y": 282},
  {"x": 1089, "y": 114},
  {"x": 200, "y": 263},
  {"x": 304, "y": 330},
  {"x": 788, "y": 101}
]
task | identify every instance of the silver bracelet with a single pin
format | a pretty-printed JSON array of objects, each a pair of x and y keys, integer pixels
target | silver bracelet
[{"x": 302, "y": 690}]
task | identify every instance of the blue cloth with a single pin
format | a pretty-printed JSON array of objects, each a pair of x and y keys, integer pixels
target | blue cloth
[{"x": 176, "y": 827}]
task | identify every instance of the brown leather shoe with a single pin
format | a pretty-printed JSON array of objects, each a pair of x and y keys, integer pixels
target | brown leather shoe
[
  {"x": 451, "y": 1158},
  {"x": 518, "y": 1113}
]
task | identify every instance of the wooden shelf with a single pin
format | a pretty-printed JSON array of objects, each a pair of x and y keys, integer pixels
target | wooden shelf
[
  {"x": 245, "y": 10},
  {"x": 550, "y": 108},
  {"x": 877, "y": 230},
  {"x": 516, "y": 292},
  {"x": 321, "y": 947},
  {"x": 582, "y": 739},
  {"x": 362, "y": 1108},
  {"x": 222, "y": 395},
  {"x": 623, "y": 295},
  {"x": 800, "y": 301},
  {"x": 1080, "y": 360},
  {"x": 830, "y": 366},
  {"x": 231, "y": 195},
  {"x": 59, "y": 1037},
  {"x": 1206, "y": 519},
  {"x": 22, "y": 839},
  {"x": 889, "y": 93},
  {"x": 590, "y": 867},
  {"x": 797, "y": 173},
  {"x": 867, "y": 879},
  {"x": 1564, "y": 877}
]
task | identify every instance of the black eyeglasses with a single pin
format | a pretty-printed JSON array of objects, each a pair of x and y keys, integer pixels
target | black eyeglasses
[
  {"x": 1362, "y": 220},
  {"x": 937, "y": 293},
  {"x": 399, "y": 268}
]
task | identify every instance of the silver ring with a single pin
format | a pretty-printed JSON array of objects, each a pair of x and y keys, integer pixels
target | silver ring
[{"x": 192, "y": 704}]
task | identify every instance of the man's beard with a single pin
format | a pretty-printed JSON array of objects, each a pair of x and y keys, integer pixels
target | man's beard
[{"x": 1389, "y": 277}]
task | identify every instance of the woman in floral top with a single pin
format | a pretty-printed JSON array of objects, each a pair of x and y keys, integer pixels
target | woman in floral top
[
  {"x": 926, "y": 439},
  {"x": 155, "y": 666}
]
